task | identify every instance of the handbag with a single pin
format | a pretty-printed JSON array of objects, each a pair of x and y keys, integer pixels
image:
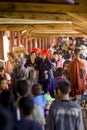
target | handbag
[{"x": 81, "y": 71}]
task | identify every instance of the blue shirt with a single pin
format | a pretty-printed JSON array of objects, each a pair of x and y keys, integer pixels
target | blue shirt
[{"x": 41, "y": 100}]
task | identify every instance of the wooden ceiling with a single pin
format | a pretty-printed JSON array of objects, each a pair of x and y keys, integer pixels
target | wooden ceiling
[{"x": 42, "y": 18}]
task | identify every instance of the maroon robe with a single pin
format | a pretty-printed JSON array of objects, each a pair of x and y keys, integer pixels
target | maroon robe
[{"x": 77, "y": 83}]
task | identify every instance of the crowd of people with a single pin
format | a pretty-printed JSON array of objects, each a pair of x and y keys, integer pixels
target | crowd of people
[{"x": 37, "y": 90}]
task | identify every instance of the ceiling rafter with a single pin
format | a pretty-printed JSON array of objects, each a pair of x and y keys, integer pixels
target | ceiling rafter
[
  {"x": 41, "y": 8},
  {"x": 83, "y": 21},
  {"x": 40, "y": 16}
]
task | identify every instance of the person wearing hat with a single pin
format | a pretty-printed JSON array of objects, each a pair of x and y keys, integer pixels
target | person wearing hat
[{"x": 45, "y": 68}]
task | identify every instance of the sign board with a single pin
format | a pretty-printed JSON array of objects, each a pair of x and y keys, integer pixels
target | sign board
[{"x": 18, "y": 50}]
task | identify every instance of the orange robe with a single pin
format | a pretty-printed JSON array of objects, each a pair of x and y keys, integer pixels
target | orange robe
[{"x": 77, "y": 83}]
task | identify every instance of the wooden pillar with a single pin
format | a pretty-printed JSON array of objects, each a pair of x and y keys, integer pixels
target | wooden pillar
[
  {"x": 11, "y": 39},
  {"x": 51, "y": 40},
  {"x": 35, "y": 44},
  {"x": 31, "y": 43},
  {"x": 40, "y": 43},
  {"x": 48, "y": 42},
  {"x": 24, "y": 42},
  {"x": 26, "y": 46},
  {"x": 54, "y": 40},
  {"x": 16, "y": 39},
  {"x": 45, "y": 43},
  {"x": 19, "y": 38},
  {"x": 7, "y": 33},
  {"x": 1, "y": 46}
]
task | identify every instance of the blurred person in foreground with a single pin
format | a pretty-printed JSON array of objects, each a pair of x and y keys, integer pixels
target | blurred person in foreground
[
  {"x": 6, "y": 122},
  {"x": 27, "y": 122},
  {"x": 23, "y": 89},
  {"x": 64, "y": 114},
  {"x": 19, "y": 73}
]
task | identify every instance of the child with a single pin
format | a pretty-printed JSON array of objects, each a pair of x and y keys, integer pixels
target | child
[{"x": 38, "y": 97}]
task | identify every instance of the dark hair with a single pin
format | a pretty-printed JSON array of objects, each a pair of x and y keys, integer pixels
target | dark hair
[
  {"x": 59, "y": 72},
  {"x": 6, "y": 122},
  {"x": 76, "y": 51},
  {"x": 55, "y": 53},
  {"x": 31, "y": 53},
  {"x": 1, "y": 79},
  {"x": 16, "y": 60},
  {"x": 60, "y": 53},
  {"x": 22, "y": 87},
  {"x": 54, "y": 46},
  {"x": 26, "y": 104},
  {"x": 64, "y": 86},
  {"x": 68, "y": 56},
  {"x": 36, "y": 89},
  {"x": 82, "y": 56},
  {"x": 7, "y": 99}
]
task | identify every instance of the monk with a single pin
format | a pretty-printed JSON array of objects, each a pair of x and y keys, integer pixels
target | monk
[{"x": 77, "y": 82}]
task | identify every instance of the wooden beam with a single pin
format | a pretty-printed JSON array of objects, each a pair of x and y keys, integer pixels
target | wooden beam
[
  {"x": 34, "y": 16},
  {"x": 77, "y": 16},
  {"x": 41, "y": 8},
  {"x": 5, "y": 27},
  {"x": 44, "y": 1},
  {"x": 56, "y": 35},
  {"x": 12, "y": 27},
  {"x": 83, "y": 2},
  {"x": 53, "y": 27},
  {"x": 83, "y": 26},
  {"x": 22, "y": 12},
  {"x": 82, "y": 22}
]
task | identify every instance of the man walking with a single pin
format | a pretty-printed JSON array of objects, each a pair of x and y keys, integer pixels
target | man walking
[{"x": 64, "y": 114}]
